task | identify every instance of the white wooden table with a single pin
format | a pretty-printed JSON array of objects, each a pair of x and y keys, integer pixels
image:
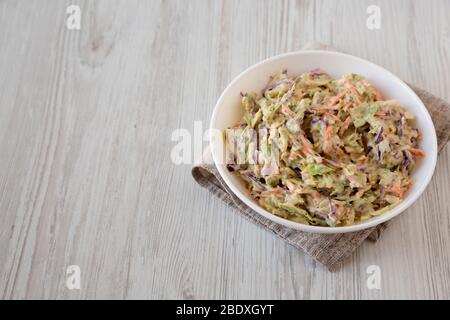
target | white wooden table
[{"x": 86, "y": 118}]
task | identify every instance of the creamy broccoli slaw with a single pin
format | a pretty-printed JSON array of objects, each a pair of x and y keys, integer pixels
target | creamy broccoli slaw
[{"x": 323, "y": 151}]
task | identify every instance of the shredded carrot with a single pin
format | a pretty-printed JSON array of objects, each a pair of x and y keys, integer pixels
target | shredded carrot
[
  {"x": 396, "y": 188},
  {"x": 261, "y": 202},
  {"x": 347, "y": 106},
  {"x": 355, "y": 92},
  {"x": 340, "y": 153},
  {"x": 277, "y": 189},
  {"x": 380, "y": 113},
  {"x": 338, "y": 97},
  {"x": 417, "y": 152},
  {"x": 332, "y": 116},
  {"x": 419, "y": 135},
  {"x": 378, "y": 96},
  {"x": 328, "y": 134},
  {"x": 306, "y": 144},
  {"x": 296, "y": 154},
  {"x": 288, "y": 112},
  {"x": 347, "y": 122}
]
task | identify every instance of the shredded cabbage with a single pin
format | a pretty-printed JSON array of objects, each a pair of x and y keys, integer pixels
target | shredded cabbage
[{"x": 328, "y": 152}]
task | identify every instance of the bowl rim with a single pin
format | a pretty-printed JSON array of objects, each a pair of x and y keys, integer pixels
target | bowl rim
[{"x": 402, "y": 206}]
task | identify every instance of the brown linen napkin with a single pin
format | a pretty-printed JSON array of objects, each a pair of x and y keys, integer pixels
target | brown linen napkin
[{"x": 328, "y": 249}]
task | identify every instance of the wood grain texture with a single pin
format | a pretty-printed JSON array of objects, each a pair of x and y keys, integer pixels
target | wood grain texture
[{"x": 86, "y": 119}]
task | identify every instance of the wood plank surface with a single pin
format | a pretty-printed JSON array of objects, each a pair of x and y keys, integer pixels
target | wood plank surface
[{"x": 86, "y": 178}]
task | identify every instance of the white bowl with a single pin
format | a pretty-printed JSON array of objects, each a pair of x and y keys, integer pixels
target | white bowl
[{"x": 228, "y": 112}]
